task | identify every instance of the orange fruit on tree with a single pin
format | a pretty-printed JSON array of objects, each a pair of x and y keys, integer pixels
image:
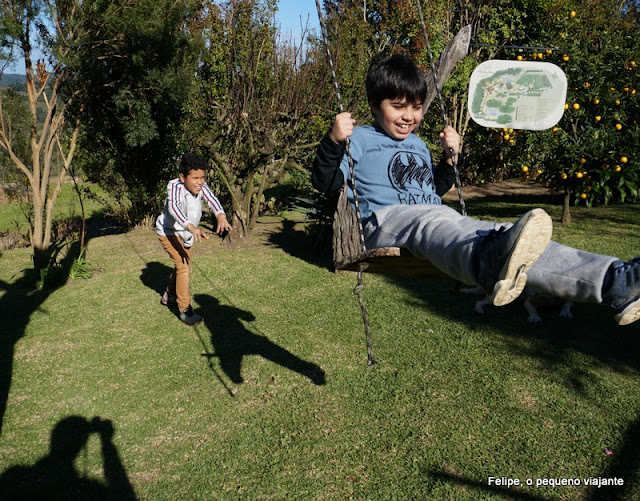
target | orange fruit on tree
[
  {"x": 583, "y": 195},
  {"x": 618, "y": 168},
  {"x": 624, "y": 160},
  {"x": 598, "y": 118},
  {"x": 573, "y": 13},
  {"x": 576, "y": 106},
  {"x": 578, "y": 175},
  {"x": 596, "y": 101},
  {"x": 565, "y": 58},
  {"x": 618, "y": 126}
]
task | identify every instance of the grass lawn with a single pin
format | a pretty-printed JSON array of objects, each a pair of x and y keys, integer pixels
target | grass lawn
[
  {"x": 13, "y": 218},
  {"x": 271, "y": 397}
]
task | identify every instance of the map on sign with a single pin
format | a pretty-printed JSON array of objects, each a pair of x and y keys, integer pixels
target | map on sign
[{"x": 517, "y": 94}]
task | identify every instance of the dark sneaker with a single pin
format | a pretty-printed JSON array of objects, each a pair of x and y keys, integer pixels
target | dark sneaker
[
  {"x": 623, "y": 293},
  {"x": 503, "y": 256},
  {"x": 189, "y": 317},
  {"x": 168, "y": 300}
]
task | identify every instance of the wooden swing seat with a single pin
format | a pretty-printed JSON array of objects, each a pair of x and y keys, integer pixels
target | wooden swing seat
[{"x": 347, "y": 252}]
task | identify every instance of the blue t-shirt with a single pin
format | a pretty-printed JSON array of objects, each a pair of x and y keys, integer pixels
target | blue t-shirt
[{"x": 389, "y": 171}]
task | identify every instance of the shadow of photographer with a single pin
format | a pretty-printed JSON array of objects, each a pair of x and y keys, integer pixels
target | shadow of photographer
[{"x": 55, "y": 476}]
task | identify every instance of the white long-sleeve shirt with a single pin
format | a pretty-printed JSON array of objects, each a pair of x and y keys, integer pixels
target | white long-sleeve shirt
[{"x": 182, "y": 208}]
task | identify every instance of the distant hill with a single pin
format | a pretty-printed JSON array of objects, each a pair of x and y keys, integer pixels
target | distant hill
[{"x": 8, "y": 79}]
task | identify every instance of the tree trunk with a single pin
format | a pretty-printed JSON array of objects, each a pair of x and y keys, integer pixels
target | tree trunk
[{"x": 566, "y": 213}]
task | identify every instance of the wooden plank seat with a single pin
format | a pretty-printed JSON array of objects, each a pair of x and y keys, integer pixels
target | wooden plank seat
[{"x": 347, "y": 252}]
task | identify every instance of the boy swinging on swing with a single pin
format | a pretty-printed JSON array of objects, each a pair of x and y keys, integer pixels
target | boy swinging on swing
[{"x": 399, "y": 194}]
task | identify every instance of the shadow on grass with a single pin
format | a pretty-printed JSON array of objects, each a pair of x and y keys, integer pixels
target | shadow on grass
[
  {"x": 20, "y": 300},
  {"x": 232, "y": 341},
  {"x": 482, "y": 486},
  {"x": 592, "y": 332},
  {"x": 309, "y": 246},
  {"x": 55, "y": 476},
  {"x": 624, "y": 466}
]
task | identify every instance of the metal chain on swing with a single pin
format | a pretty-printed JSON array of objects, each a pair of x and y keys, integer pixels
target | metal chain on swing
[
  {"x": 359, "y": 289},
  {"x": 443, "y": 110}
]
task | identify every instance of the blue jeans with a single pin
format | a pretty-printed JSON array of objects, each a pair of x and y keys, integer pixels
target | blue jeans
[{"x": 447, "y": 239}]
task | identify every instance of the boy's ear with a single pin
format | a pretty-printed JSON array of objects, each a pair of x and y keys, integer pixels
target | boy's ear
[{"x": 182, "y": 177}]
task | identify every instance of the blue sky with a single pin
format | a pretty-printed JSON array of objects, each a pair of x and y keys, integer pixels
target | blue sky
[{"x": 291, "y": 15}]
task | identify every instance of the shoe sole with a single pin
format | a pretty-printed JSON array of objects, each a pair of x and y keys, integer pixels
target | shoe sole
[
  {"x": 529, "y": 246},
  {"x": 630, "y": 314}
]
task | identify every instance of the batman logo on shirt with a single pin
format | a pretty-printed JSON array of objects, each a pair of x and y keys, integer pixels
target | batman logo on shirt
[{"x": 411, "y": 176}]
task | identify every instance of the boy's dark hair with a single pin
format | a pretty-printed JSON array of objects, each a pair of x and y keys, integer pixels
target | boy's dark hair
[
  {"x": 192, "y": 161},
  {"x": 395, "y": 77}
]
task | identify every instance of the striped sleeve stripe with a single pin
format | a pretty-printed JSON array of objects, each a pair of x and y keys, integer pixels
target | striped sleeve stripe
[
  {"x": 212, "y": 200},
  {"x": 176, "y": 194}
]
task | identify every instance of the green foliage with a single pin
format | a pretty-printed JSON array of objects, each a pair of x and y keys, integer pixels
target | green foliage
[
  {"x": 255, "y": 105},
  {"x": 15, "y": 111},
  {"x": 131, "y": 89},
  {"x": 79, "y": 267},
  {"x": 594, "y": 150}
]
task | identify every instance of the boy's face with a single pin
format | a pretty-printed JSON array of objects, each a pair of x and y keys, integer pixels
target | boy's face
[
  {"x": 397, "y": 117},
  {"x": 194, "y": 180}
]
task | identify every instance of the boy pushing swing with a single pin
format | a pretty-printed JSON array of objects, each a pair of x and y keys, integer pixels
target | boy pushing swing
[{"x": 177, "y": 229}]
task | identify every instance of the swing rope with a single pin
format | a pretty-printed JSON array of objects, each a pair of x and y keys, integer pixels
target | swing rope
[
  {"x": 359, "y": 289},
  {"x": 443, "y": 110}
]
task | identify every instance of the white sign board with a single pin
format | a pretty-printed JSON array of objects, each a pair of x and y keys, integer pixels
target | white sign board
[{"x": 517, "y": 94}]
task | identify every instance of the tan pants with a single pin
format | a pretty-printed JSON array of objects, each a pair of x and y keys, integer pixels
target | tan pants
[{"x": 179, "y": 281}]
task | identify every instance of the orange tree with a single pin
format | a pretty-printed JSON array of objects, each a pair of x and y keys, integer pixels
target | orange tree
[{"x": 593, "y": 154}]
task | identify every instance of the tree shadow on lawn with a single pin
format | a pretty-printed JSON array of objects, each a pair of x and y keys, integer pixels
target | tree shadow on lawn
[
  {"x": 19, "y": 301},
  {"x": 592, "y": 332},
  {"x": 625, "y": 466},
  {"x": 313, "y": 247},
  {"x": 56, "y": 476},
  {"x": 230, "y": 338}
]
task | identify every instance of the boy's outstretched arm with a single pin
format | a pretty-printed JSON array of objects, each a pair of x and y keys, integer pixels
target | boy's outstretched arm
[
  {"x": 326, "y": 175},
  {"x": 223, "y": 225}
]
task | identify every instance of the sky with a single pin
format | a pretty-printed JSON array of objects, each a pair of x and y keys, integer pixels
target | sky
[{"x": 291, "y": 15}]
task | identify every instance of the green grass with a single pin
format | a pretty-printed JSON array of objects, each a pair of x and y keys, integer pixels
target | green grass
[
  {"x": 12, "y": 215},
  {"x": 454, "y": 398}
]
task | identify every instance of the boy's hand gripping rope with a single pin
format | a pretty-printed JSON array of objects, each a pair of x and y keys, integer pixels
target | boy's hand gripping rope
[
  {"x": 442, "y": 107},
  {"x": 359, "y": 289}
]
